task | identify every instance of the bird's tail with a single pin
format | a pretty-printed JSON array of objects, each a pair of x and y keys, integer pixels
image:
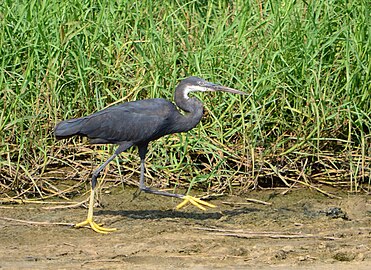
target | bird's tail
[{"x": 68, "y": 128}]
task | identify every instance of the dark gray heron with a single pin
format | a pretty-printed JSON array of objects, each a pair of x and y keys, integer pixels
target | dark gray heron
[{"x": 137, "y": 123}]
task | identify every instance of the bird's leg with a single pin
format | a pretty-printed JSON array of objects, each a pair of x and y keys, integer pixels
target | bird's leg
[
  {"x": 89, "y": 220},
  {"x": 143, "y": 187},
  {"x": 187, "y": 198}
]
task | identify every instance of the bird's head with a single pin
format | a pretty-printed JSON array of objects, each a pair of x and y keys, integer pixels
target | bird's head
[{"x": 196, "y": 84}]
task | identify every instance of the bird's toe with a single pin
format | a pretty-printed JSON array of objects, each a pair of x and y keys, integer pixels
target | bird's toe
[
  {"x": 94, "y": 226},
  {"x": 196, "y": 202}
]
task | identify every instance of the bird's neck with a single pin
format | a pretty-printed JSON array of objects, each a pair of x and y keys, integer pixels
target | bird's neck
[{"x": 192, "y": 107}]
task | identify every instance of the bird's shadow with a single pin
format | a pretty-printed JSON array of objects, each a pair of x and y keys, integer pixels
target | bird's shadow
[{"x": 166, "y": 214}]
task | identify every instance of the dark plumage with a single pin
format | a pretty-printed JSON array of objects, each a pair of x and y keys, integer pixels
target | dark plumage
[{"x": 138, "y": 123}]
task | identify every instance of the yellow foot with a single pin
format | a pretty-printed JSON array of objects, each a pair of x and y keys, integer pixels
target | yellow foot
[
  {"x": 96, "y": 227},
  {"x": 195, "y": 201}
]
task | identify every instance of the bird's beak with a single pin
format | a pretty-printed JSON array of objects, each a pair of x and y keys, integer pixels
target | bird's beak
[{"x": 216, "y": 87}]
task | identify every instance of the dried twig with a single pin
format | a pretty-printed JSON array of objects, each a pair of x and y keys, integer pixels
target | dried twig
[
  {"x": 236, "y": 203},
  {"x": 75, "y": 205},
  {"x": 264, "y": 234},
  {"x": 39, "y": 223},
  {"x": 278, "y": 236},
  {"x": 258, "y": 201},
  {"x": 26, "y": 201}
]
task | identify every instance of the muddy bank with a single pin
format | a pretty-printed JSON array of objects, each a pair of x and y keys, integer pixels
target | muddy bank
[{"x": 299, "y": 229}]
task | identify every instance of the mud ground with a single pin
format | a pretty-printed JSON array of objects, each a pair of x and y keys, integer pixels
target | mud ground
[{"x": 302, "y": 229}]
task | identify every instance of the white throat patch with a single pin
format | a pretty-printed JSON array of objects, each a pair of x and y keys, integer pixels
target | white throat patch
[{"x": 192, "y": 88}]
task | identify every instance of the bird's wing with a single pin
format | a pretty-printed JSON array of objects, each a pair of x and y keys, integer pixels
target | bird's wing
[{"x": 137, "y": 121}]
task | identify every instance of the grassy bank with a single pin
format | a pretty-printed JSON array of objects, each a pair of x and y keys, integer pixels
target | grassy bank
[{"x": 305, "y": 64}]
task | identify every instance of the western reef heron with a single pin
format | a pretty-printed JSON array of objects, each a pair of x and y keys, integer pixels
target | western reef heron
[{"x": 137, "y": 123}]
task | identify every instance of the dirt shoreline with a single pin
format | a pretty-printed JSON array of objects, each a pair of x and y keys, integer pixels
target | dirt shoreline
[{"x": 300, "y": 230}]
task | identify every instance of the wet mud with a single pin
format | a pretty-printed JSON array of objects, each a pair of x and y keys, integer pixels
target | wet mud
[{"x": 302, "y": 229}]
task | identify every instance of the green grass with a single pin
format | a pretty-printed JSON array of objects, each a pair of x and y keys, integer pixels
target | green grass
[{"x": 306, "y": 65}]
